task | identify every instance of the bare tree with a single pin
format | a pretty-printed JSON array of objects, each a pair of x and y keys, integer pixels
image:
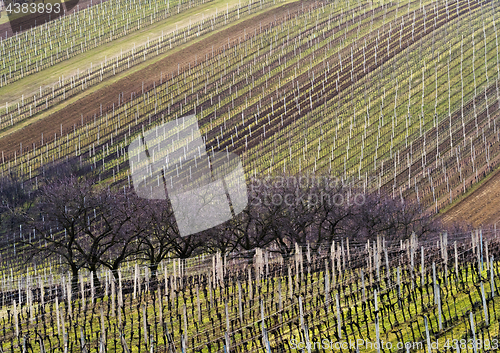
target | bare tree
[
  {"x": 156, "y": 242},
  {"x": 411, "y": 218},
  {"x": 375, "y": 216},
  {"x": 258, "y": 223},
  {"x": 88, "y": 226},
  {"x": 128, "y": 219},
  {"x": 59, "y": 219},
  {"x": 333, "y": 216}
]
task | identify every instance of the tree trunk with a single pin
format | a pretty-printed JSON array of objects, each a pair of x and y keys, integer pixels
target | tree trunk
[
  {"x": 97, "y": 282},
  {"x": 153, "y": 267},
  {"x": 74, "y": 281}
]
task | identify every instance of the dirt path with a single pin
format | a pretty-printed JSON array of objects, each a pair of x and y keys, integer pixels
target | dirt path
[{"x": 90, "y": 104}]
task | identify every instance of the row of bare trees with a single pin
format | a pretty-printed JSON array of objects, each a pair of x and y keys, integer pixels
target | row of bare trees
[{"x": 89, "y": 226}]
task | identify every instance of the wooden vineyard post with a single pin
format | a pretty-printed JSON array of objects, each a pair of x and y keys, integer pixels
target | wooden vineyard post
[
  {"x": 301, "y": 313},
  {"x": 226, "y": 310},
  {"x": 92, "y": 286},
  {"x": 65, "y": 334},
  {"x": 339, "y": 322},
  {"x": 492, "y": 278},
  {"x": 102, "y": 345},
  {"x": 363, "y": 286},
  {"x": 63, "y": 325},
  {"x": 412, "y": 263},
  {"x": 290, "y": 287},
  {"x": 166, "y": 278},
  {"x": 306, "y": 335},
  {"x": 40, "y": 342},
  {"x": 479, "y": 259},
  {"x": 485, "y": 306},
  {"x": 348, "y": 252},
  {"x": 370, "y": 263},
  {"x": 57, "y": 317},
  {"x": 444, "y": 245},
  {"x": 16, "y": 319},
  {"x": 250, "y": 285},
  {"x": 338, "y": 255},
  {"x": 487, "y": 255},
  {"x": 422, "y": 268},
  {"x": 399, "y": 283},
  {"x": 103, "y": 332},
  {"x": 144, "y": 325},
  {"x": 474, "y": 245},
  {"x": 427, "y": 336},
  {"x": 184, "y": 314},
  {"x": 120, "y": 290},
  {"x": 160, "y": 305},
  {"x": 388, "y": 271},
  {"x": 263, "y": 318},
  {"x": 473, "y": 331},
  {"x": 30, "y": 302},
  {"x": 240, "y": 309},
  {"x": 226, "y": 340},
  {"x": 434, "y": 282},
  {"x": 456, "y": 259},
  {"x": 172, "y": 291},
  {"x": 481, "y": 249},
  {"x": 82, "y": 291},
  {"x": 64, "y": 286},
  {"x": 327, "y": 286},
  {"x": 41, "y": 291},
  {"x": 198, "y": 304},
  {"x": 136, "y": 267},
  {"x": 268, "y": 345},
  {"x": 82, "y": 341},
  {"x": 175, "y": 273},
  {"x": 280, "y": 301},
  {"x": 113, "y": 296},
  {"x": 377, "y": 328},
  {"x": 334, "y": 278},
  {"x": 106, "y": 283},
  {"x": 440, "y": 311},
  {"x": 298, "y": 265},
  {"x": 122, "y": 340}
]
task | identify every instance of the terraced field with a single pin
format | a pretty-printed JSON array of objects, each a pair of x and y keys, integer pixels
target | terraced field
[
  {"x": 399, "y": 99},
  {"x": 358, "y": 92}
]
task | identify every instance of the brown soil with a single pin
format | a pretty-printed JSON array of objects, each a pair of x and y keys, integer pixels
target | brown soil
[
  {"x": 90, "y": 104},
  {"x": 481, "y": 208}
]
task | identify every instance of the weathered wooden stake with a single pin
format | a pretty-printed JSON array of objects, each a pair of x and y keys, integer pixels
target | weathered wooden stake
[
  {"x": 339, "y": 322},
  {"x": 427, "y": 336},
  {"x": 485, "y": 306},
  {"x": 473, "y": 330}
]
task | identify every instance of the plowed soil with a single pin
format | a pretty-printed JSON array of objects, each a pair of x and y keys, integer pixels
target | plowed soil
[{"x": 481, "y": 208}]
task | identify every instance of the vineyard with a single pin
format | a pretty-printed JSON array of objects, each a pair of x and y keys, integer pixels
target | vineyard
[
  {"x": 396, "y": 101},
  {"x": 410, "y": 295},
  {"x": 308, "y": 92}
]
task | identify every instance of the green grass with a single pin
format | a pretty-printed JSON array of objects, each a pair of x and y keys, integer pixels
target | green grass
[{"x": 396, "y": 315}]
